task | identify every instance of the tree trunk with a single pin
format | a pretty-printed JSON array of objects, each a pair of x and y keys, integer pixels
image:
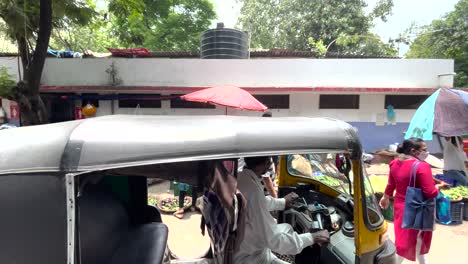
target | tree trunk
[{"x": 32, "y": 108}]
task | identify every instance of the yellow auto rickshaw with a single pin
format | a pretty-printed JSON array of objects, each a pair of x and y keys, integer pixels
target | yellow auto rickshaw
[
  {"x": 76, "y": 192},
  {"x": 337, "y": 197}
]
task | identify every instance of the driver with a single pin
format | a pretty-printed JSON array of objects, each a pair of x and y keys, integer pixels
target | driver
[{"x": 262, "y": 234}]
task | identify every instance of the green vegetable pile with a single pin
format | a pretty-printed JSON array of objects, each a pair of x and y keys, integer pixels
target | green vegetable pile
[
  {"x": 330, "y": 181},
  {"x": 152, "y": 201},
  {"x": 172, "y": 204},
  {"x": 456, "y": 192}
]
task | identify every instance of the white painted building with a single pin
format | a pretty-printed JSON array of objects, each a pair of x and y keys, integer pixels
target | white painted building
[{"x": 304, "y": 87}]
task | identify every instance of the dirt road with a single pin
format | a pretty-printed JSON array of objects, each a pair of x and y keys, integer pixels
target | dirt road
[{"x": 448, "y": 244}]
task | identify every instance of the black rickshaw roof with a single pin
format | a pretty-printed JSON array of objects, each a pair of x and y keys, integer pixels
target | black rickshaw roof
[{"x": 127, "y": 140}]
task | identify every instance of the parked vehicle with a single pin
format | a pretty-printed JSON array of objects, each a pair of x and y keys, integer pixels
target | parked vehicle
[{"x": 76, "y": 192}]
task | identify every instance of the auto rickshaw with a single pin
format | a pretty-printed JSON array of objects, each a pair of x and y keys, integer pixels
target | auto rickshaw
[{"x": 76, "y": 192}]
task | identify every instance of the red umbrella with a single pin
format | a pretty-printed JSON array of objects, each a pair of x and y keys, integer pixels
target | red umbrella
[{"x": 226, "y": 95}]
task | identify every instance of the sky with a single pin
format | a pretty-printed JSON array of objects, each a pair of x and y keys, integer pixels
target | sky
[{"x": 405, "y": 12}]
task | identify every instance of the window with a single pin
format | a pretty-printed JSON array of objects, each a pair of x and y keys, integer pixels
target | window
[
  {"x": 404, "y": 101},
  {"x": 340, "y": 101},
  {"x": 90, "y": 98},
  {"x": 179, "y": 103},
  {"x": 274, "y": 101},
  {"x": 143, "y": 100}
]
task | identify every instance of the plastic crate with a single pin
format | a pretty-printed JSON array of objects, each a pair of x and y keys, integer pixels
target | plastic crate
[
  {"x": 456, "y": 213},
  {"x": 465, "y": 209}
]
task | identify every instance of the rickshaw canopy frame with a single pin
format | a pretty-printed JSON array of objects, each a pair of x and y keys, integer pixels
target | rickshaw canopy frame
[{"x": 118, "y": 141}]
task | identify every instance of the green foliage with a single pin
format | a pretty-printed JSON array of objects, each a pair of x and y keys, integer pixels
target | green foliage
[
  {"x": 21, "y": 17},
  {"x": 446, "y": 38},
  {"x": 317, "y": 46},
  {"x": 7, "y": 82},
  {"x": 156, "y": 25},
  {"x": 29, "y": 23},
  {"x": 292, "y": 23},
  {"x": 96, "y": 36},
  {"x": 161, "y": 25},
  {"x": 422, "y": 47},
  {"x": 382, "y": 9},
  {"x": 6, "y": 45},
  {"x": 367, "y": 44}
]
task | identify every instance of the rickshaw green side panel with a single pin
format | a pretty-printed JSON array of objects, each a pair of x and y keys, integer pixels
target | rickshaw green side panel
[
  {"x": 119, "y": 186},
  {"x": 132, "y": 192},
  {"x": 33, "y": 219}
]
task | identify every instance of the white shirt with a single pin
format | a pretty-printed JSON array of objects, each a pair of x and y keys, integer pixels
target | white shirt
[
  {"x": 240, "y": 164},
  {"x": 454, "y": 157},
  {"x": 262, "y": 233}
]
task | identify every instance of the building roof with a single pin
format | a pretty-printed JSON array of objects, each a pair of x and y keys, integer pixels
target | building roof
[
  {"x": 118, "y": 141},
  {"x": 254, "y": 54}
]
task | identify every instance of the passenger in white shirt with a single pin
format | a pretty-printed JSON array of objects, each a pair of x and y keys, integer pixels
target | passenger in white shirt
[{"x": 262, "y": 234}]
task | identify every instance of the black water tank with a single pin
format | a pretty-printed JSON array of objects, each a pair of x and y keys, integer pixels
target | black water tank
[{"x": 224, "y": 43}]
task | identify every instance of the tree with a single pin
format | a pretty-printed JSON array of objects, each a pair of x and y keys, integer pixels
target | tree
[
  {"x": 30, "y": 23},
  {"x": 161, "y": 25},
  {"x": 6, "y": 82},
  {"x": 157, "y": 25},
  {"x": 96, "y": 36},
  {"x": 291, "y": 23},
  {"x": 367, "y": 44},
  {"x": 446, "y": 38}
]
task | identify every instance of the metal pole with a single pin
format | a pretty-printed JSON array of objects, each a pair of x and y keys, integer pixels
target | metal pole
[
  {"x": 112, "y": 106},
  {"x": 70, "y": 195}
]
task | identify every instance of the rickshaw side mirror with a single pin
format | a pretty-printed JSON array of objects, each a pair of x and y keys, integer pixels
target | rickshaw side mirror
[{"x": 343, "y": 164}]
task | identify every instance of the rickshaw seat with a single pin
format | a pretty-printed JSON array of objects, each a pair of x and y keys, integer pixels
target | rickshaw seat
[
  {"x": 106, "y": 234},
  {"x": 143, "y": 245}
]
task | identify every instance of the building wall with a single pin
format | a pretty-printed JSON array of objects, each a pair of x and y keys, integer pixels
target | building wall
[
  {"x": 266, "y": 76},
  {"x": 413, "y": 73},
  {"x": 301, "y": 104}
]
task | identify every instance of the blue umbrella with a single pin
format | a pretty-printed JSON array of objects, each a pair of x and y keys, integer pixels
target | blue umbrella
[{"x": 445, "y": 113}]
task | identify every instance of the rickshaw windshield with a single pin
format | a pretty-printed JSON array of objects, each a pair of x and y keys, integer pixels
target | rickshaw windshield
[{"x": 320, "y": 167}]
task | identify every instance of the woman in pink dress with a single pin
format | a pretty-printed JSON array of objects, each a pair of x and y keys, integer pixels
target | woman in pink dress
[{"x": 411, "y": 244}]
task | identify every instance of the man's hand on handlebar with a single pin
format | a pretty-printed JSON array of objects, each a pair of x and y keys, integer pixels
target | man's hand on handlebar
[
  {"x": 321, "y": 237},
  {"x": 290, "y": 199}
]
